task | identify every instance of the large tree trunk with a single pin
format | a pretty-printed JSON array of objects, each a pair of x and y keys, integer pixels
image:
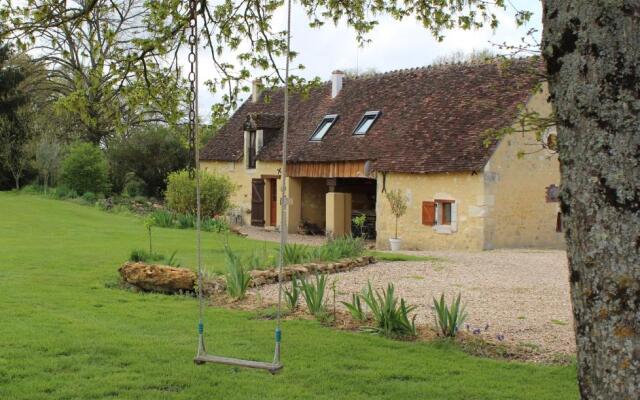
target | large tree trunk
[{"x": 592, "y": 53}]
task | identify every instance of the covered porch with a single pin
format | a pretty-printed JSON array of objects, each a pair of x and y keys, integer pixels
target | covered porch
[{"x": 323, "y": 198}]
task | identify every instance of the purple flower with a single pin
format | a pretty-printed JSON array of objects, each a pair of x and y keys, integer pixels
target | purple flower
[
  {"x": 500, "y": 337},
  {"x": 476, "y": 331},
  {"x": 486, "y": 327}
]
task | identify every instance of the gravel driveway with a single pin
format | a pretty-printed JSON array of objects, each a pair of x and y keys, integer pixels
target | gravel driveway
[{"x": 521, "y": 294}]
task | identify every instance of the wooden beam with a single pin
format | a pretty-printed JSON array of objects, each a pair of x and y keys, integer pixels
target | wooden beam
[{"x": 340, "y": 169}]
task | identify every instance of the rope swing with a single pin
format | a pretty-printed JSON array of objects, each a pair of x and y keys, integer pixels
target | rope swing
[{"x": 201, "y": 356}]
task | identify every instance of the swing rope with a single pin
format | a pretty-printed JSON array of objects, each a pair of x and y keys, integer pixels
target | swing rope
[
  {"x": 201, "y": 355},
  {"x": 284, "y": 201}
]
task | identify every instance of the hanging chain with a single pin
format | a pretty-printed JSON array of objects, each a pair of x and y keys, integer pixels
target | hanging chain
[{"x": 193, "y": 90}]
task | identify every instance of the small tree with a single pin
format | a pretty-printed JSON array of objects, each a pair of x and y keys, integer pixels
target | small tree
[
  {"x": 48, "y": 154},
  {"x": 149, "y": 222},
  {"x": 398, "y": 204},
  {"x": 216, "y": 191},
  {"x": 85, "y": 169}
]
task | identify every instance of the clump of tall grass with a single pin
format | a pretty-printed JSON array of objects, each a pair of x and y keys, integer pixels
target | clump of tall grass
[
  {"x": 390, "y": 316},
  {"x": 163, "y": 218},
  {"x": 356, "y": 308},
  {"x": 138, "y": 255},
  {"x": 314, "y": 293},
  {"x": 449, "y": 319},
  {"x": 237, "y": 277},
  {"x": 295, "y": 253},
  {"x": 292, "y": 296}
]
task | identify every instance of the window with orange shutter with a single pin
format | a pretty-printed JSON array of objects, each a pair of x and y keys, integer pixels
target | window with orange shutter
[{"x": 428, "y": 213}]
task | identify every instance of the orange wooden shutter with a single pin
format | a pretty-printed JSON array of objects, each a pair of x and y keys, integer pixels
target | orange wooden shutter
[{"x": 428, "y": 213}]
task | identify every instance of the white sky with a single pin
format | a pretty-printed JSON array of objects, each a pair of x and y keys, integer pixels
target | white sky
[{"x": 394, "y": 45}]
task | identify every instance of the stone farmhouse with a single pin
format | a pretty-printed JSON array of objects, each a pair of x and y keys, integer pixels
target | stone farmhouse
[{"x": 422, "y": 131}]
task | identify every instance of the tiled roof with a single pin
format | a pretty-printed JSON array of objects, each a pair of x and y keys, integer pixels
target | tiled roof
[{"x": 432, "y": 118}]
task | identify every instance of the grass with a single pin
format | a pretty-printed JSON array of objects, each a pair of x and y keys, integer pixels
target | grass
[
  {"x": 66, "y": 335},
  {"x": 386, "y": 256}
]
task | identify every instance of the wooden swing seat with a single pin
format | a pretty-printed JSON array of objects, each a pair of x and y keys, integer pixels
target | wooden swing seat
[{"x": 205, "y": 358}]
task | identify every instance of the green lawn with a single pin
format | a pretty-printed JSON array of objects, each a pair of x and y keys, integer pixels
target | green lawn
[{"x": 65, "y": 335}]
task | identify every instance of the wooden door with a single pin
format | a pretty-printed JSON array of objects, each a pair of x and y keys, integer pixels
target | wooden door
[
  {"x": 257, "y": 202},
  {"x": 273, "y": 201}
]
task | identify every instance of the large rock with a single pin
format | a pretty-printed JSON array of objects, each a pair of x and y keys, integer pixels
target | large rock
[{"x": 158, "y": 278}]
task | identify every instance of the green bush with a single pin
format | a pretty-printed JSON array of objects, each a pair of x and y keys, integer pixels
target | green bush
[
  {"x": 89, "y": 197},
  {"x": 133, "y": 186},
  {"x": 314, "y": 295},
  {"x": 85, "y": 169},
  {"x": 63, "y": 192},
  {"x": 391, "y": 319},
  {"x": 238, "y": 278},
  {"x": 149, "y": 153},
  {"x": 216, "y": 191},
  {"x": 449, "y": 319},
  {"x": 217, "y": 225},
  {"x": 32, "y": 189}
]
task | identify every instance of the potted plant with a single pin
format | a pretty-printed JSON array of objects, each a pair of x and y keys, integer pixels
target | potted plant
[{"x": 398, "y": 205}]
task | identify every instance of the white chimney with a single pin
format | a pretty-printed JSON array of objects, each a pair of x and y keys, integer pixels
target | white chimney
[
  {"x": 336, "y": 82},
  {"x": 256, "y": 88}
]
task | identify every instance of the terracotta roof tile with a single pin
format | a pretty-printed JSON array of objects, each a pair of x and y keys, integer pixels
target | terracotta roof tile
[{"x": 432, "y": 119}]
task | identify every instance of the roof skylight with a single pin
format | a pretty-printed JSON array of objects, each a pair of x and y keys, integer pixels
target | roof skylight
[
  {"x": 366, "y": 122},
  {"x": 323, "y": 128}
]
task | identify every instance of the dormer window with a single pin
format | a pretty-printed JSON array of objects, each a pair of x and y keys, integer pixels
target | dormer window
[
  {"x": 323, "y": 128},
  {"x": 366, "y": 122}
]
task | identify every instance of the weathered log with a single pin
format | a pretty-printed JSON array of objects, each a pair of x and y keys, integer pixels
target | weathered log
[{"x": 158, "y": 278}]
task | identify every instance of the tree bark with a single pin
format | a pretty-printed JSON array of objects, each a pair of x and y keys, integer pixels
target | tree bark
[{"x": 592, "y": 54}]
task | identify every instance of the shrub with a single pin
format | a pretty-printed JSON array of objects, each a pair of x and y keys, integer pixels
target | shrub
[
  {"x": 85, "y": 169},
  {"x": 237, "y": 278},
  {"x": 359, "y": 221},
  {"x": 89, "y": 197},
  {"x": 148, "y": 153},
  {"x": 295, "y": 253},
  {"x": 355, "y": 307},
  {"x": 216, "y": 191},
  {"x": 133, "y": 186},
  {"x": 162, "y": 218},
  {"x": 63, "y": 192},
  {"x": 293, "y": 296},
  {"x": 314, "y": 295},
  {"x": 449, "y": 319},
  {"x": 32, "y": 189},
  {"x": 391, "y": 319},
  {"x": 217, "y": 225}
]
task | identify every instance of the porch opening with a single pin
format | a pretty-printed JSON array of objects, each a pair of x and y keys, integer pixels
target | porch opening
[{"x": 328, "y": 206}]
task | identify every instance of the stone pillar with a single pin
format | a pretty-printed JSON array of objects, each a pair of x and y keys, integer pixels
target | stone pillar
[
  {"x": 338, "y": 214},
  {"x": 294, "y": 197}
]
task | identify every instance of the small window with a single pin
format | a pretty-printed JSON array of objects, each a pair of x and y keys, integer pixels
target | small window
[
  {"x": 365, "y": 123},
  {"x": 323, "y": 128},
  {"x": 444, "y": 212},
  {"x": 251, "y": 163}
]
